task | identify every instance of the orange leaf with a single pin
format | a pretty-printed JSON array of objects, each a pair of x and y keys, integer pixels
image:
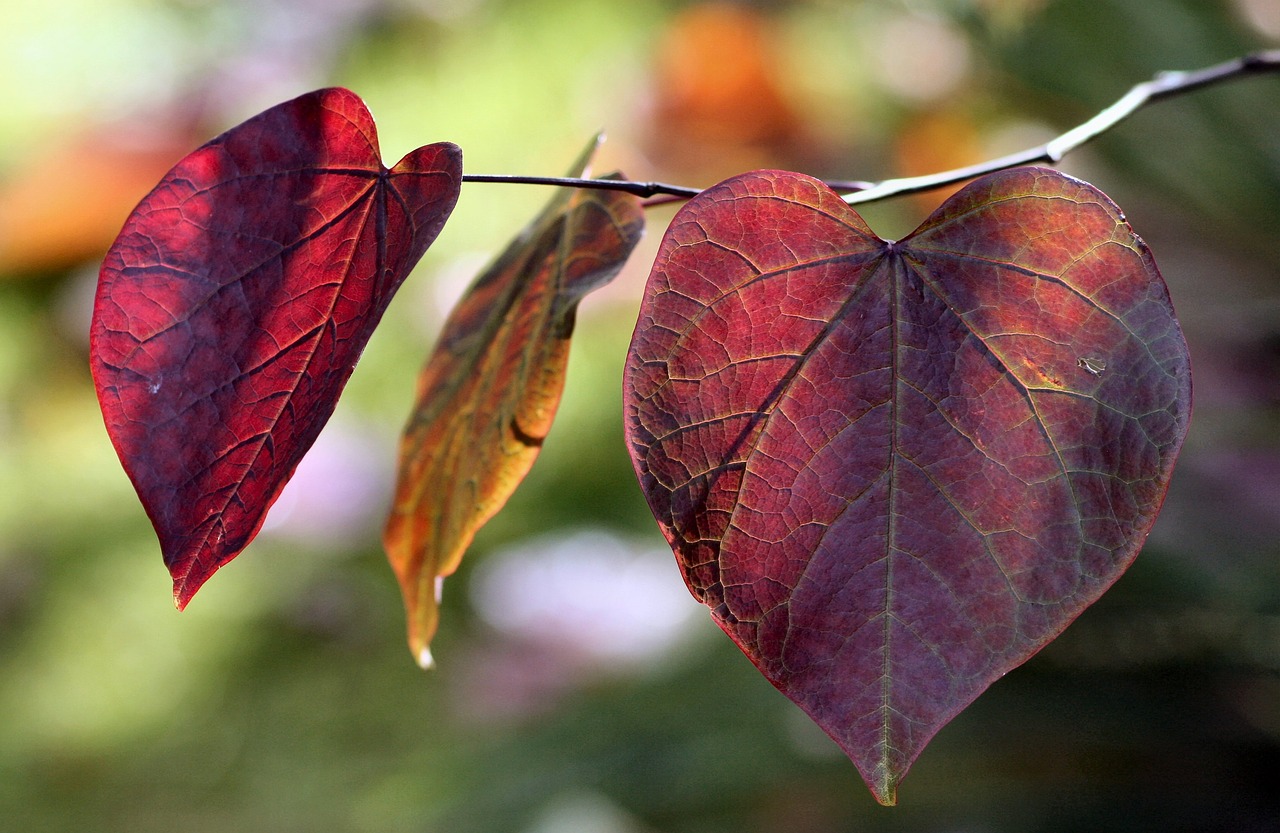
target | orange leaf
[{"x": 489, "y": 391}]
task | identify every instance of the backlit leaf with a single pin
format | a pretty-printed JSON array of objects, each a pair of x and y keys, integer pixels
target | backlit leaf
[
  {"x": 234, "y": 304},
  {"x": 895, "y": 471},
  {"x": 489, "y": 391}
]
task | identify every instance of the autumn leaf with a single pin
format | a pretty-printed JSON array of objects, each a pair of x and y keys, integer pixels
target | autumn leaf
[
  {"x": 895, "y": 471},
  {"x": 234, "y": 304},
  {"x": 489, "y": 391}
]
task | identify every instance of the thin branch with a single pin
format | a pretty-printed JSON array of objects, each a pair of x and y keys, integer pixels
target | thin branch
[
  {"x": 640, "y": 189},
  {"x": 1163, "y": 85}
]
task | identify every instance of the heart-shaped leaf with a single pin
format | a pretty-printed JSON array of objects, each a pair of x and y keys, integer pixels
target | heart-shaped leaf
[
  {"x": 490, "y": 389},
  {"x": 234, "y": 304},
  {"x": 895, "y": 471}
]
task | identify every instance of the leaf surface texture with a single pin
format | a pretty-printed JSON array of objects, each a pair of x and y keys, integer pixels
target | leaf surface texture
[
  {"x": 235, "y": 302},
  {"x": 896, "y": 470},
  {"x": 490, "y": 389}
]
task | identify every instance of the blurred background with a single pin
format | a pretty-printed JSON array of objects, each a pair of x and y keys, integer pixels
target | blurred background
[{"x": 579, "y": 687}]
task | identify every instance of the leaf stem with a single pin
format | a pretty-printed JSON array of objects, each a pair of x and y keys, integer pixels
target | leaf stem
[{"x": 1163, "y": 85}]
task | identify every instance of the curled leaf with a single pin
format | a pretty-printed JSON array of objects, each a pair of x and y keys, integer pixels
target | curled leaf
[
  {"x": 896, "y": 470},
  {"x": 490, "y": 389},
  {"x": 234, "y": 304}
]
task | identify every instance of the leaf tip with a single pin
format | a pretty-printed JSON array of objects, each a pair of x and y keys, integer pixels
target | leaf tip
[
  {"x": 889, "y": 798},
  {"x": 884, "y": 786},
  {"x": 420, "y": 634},
  {"x": 183, "y": 592}
]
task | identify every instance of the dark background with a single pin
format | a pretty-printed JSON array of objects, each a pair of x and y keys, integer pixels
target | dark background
[{"x": 580, "y": 688}]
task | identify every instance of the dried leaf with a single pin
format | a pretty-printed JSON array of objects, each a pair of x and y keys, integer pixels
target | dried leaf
[{"x": 490, "y": 389}]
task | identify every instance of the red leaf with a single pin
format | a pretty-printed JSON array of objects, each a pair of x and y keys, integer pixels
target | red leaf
[
  {"x": 490, "y": 390},
  {"x": 234, "y": 304},
  {"x": 895, "y": 471}
]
